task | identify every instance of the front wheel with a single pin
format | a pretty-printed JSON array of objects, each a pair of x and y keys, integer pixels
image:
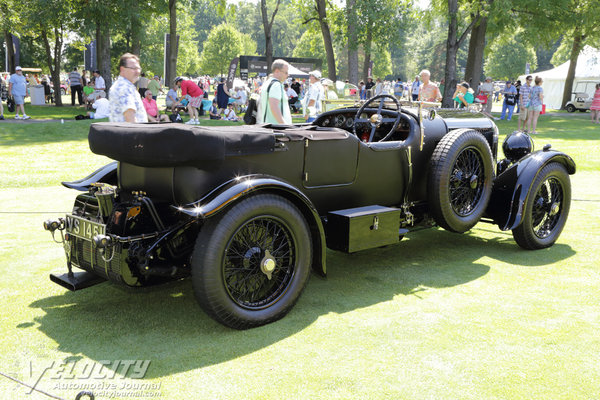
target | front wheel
[
  {"x": 546, "y": 209},
  {"x": 570, "y": 108},
  {"x": 250, "y": 265}
]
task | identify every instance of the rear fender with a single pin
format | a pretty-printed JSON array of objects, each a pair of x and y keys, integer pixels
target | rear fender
[
  {"x": 512, "y": 187},
  {"x": 105, "y": 174},
  {"x": 239, "y": 188}
]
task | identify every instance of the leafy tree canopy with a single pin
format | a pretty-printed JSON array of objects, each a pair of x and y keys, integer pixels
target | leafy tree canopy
[
  {"x": 507, "y": 58},
  {"x": 222, "y": 45}
]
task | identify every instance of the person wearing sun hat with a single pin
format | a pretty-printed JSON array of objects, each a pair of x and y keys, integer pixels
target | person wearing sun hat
[
  {"x": 312, "y": 105},
  {"x": 328, "y": 91},
  {"x": 17, "y": 88}
]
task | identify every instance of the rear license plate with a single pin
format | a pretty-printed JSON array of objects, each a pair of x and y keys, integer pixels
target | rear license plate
[{"x": 83, "y": 228}]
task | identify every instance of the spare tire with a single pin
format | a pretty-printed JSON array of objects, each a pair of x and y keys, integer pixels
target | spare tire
[{"x": 460, "y": 180}]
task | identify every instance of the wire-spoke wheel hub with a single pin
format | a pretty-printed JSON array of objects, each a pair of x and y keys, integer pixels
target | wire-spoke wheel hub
[
  {"x": 465, "y": 186},
  {"x": 547, "y": 207},
  {"x": 259, "y": 262}
]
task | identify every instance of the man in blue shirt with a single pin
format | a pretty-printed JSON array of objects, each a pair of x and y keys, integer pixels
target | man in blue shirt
[
  {"x": 398, "y": 89},
  {"x": 17, "y": 88},
  {"x": 510, "y": 99}
]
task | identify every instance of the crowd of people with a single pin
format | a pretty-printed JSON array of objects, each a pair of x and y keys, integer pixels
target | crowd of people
[{"x": 133, "y": 96}]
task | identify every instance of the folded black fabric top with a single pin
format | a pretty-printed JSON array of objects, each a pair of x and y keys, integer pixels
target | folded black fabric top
[{"x": 167, "y": 145}]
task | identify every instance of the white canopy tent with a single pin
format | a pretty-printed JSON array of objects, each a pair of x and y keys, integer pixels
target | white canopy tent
[
  {"x": 296, "y": 73},
  {"x": 588, "y": 68}
]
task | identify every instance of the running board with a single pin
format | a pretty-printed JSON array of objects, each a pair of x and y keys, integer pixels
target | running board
[{"x": 77, "y": 281}]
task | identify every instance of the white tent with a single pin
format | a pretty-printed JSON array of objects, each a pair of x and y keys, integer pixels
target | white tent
[
  {"x": 296, "y": 73},
  {"x": 588, "y": 68}
]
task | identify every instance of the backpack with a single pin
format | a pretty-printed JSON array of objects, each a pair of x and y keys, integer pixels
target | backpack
[
  {"x": 10, "y": 104},
  {"x": 175, "y": 118},
  {"x": 250, "y": 116},
  {"x": 511, "y": 99},
  {"x": 252, "y": 110}
]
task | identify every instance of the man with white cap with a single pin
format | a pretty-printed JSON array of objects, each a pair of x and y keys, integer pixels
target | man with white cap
[
  {"x": 17, "y": 88},
  {"x": 312, "y": 101}
]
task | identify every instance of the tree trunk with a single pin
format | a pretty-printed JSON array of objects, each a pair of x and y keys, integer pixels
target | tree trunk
[
  {"x": 137, "y": 29},
  {"x": 172, "y": 56},
  {"x": 58, "y": 43},
  {"x": 452, "y": 44},
  {"x": 575, "y": 50},
  {"x": 322, "y": 10},
  {"x": 53, "y": 61},
  {"x": 352, "y": 42},
  {"x": 367, "y": 48},
  {"x": 474, "y": 66},
  {"x": 267, "y": 25},
  {"x": 267, "y": 29},
  {"x": 10, "y": 51},
  {"x": 103, "y": 53}
]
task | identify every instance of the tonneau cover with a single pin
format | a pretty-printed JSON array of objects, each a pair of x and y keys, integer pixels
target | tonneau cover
[
  {"x": 164, "y": 145},
  {"x": 168, "y": 145}
]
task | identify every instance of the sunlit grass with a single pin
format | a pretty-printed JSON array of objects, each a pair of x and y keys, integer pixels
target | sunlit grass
[{"x": 438, "y": 316}]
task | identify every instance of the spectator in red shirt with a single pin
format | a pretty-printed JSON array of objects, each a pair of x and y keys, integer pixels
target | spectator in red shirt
[
  {"x": 193, "y": 93},
  {"x": 152, "y": 108}
]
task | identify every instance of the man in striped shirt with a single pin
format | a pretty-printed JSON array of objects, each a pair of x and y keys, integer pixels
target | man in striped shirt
[
  {"x": 524, "y": 94},
  {"x": 76, "y": 85}
]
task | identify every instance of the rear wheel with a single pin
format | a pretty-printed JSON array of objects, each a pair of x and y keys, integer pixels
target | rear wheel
[
  {"x": 570, "y": 108},
  {"x": 460, "y": 180},
  {"x": 546, "y": 209},
  {"x": 250, "y": 266}
]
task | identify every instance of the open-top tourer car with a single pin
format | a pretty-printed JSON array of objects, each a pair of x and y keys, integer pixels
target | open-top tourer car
[{"x": 248, "y": 211}]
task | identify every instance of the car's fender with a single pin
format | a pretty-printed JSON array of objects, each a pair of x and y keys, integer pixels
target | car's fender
[
  {"x": 236, "y": 189},
  {"x": 512, "y": 187},
  {"x": 105, "y": 174}
]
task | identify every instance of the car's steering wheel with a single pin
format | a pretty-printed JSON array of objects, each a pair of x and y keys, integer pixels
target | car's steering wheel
[{"x": 377, "y": 119}]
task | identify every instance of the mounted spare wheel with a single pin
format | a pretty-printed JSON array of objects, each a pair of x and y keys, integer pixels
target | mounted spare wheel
[
  {"x": 460, "y": 180},
  {"x": 251, "y": 263}
]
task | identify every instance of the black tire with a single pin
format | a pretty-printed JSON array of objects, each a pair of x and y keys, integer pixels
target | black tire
[
  {"x": 570, "y": 108},
  {"x": 546, "y": 209},
  {"x": 227, "y": 277},
  {"x": 460, "y": 180},
  {"x": 62, "y": 91}
]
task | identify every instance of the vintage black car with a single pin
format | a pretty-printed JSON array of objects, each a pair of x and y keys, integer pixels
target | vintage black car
[{"x": 248, "y": 211}]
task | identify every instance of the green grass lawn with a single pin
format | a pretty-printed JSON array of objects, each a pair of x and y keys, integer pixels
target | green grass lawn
[{"x": 437, "y": 316}]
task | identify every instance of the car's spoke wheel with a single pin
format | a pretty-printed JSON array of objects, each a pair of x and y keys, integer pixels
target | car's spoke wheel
[
  {"x": 251, "y": 264},
  {"x": 546, "y": 209},
  {"x": 460, "y": 180},
  {"x": 259, "y": 262}
]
